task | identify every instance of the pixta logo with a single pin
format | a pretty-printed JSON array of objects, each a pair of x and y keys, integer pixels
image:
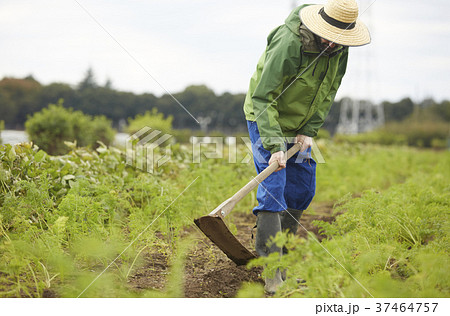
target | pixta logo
[{"x": 148, "y": 149}]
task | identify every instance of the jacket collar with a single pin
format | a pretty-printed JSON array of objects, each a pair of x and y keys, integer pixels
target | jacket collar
[{"x": 309, "y": 45}]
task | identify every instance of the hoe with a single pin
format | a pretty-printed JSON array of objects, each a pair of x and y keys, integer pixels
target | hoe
[{"x": 213, "y": 226}]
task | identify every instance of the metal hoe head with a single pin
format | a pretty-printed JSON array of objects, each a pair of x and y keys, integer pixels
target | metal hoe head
[{"x": 215, "y": 229}]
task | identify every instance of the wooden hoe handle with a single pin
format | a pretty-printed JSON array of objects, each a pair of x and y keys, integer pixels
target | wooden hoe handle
[{"x": 226, "y": 207}]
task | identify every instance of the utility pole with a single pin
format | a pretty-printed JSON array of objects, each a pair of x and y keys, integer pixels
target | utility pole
[
  {"x": 204, "y": 122},
  {"x": 358, "y": 116}
]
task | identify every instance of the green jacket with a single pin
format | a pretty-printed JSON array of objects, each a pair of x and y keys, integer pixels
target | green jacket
[{"x": 291, "y": 92}]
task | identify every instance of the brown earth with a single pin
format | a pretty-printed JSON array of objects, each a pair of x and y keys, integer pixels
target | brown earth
[{"x": 208, "y": 272}]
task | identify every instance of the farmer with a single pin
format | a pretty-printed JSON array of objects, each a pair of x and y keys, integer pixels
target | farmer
[{"x": 289, "y": 97}]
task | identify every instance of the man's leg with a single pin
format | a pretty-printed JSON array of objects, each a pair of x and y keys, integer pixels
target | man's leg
[
  {"x": 268, "y": 225},
  {"x": 290, "y": 220},
  {"x": 270, "y": 196},
  {"x": 299, "y": 191}
]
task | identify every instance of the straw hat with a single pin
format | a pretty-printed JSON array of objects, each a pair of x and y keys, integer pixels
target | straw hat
[{"x": 337, "y": 22}]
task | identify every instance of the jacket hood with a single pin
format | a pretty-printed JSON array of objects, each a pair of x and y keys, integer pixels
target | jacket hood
[
  {"x": 296, "y": 26},
  {"x": 308, "y": 40},
  {"x": 293, "y": 20}
]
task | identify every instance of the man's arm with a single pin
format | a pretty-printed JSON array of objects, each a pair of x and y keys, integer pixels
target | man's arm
[{"x": 280, "y": 65}]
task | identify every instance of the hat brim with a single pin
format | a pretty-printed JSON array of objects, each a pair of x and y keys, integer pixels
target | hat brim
[{"x": 357, "y": 36}]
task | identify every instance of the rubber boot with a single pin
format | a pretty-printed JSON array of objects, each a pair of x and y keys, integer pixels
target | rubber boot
[
  {"x": 290, "y": 220},
  {"x": 268, "y": 226}
]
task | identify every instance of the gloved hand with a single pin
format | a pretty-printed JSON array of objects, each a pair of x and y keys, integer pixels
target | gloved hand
[
  {"x": 306, "y": 142},
  {"x": 279, "y": 156}
]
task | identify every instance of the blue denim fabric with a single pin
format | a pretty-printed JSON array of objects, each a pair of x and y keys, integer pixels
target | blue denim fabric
[{"x": 291, "y": 187}]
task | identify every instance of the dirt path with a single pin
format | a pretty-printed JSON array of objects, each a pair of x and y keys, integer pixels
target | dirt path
[{"x": 208, "y": 272}]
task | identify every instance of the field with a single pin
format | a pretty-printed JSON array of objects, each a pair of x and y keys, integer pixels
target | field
[{"x": 87, "y": 224}]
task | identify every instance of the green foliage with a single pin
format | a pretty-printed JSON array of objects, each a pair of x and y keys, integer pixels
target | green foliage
[
  {"x": 251, "y": 290},
  {"x": 353, "y": 168},
  {"x": 18, "y": 98},
  {"x": 22, "y": 97},
  {"x": 422, "y": 133},
  {"x": 389, "y": 244},
  {"x": 175, "y": 284},
  {"x": 2, "y": 127},
  {"x": 64, "y": 219},
  {"x": 428, "y": 134},
  {"x": 58, "y": 216},
  {"x": 381, "y": 137},
  {"x": 417, "y": 134},
  {"x": 184, "y": 135},
  {"x": 152, "y": 119},
  {"x": 323, "y": 134},
  {"x": 52, "y": 126},
  {"x": 88, "y": 80},
  {"x": 423, "y": 127},
  {"x": 101, "y": 130},
  {"x": 216, "y": 133},
  {"x": 440, "y": 111},
  {"x": 398, "y": 111}
]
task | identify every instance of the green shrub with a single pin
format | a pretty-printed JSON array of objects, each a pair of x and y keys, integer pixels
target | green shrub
[
  {"x": 421, "y": 134},
  {"x": 101, "y": 130},
  {"x": 376, "y": 137},
  {"x": 323, "y": 134},
  {"x": 55, "y": 124},
  {"x": 2, "y": 127},
  {"x": 183, "y": 136},
  {"x": 426, "y": 134},
  {"x": 152, "y": 119},
  {"x": 217, "y": 133},
  {"x": 240, "y": 135},
  {"x": 424, "y": 128}
]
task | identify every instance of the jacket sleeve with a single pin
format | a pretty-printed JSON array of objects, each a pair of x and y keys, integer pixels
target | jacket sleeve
[
  {"x": 311, "y": 128},
  {"x": 280, "y": 66}
]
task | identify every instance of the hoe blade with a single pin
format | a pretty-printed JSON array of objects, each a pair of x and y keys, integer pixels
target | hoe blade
[{"x": 215, "y": 229}]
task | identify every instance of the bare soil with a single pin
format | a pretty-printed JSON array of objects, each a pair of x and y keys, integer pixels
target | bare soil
[{"x": 208, "y": 272}]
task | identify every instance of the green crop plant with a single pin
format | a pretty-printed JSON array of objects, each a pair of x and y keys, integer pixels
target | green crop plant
[
  {"x": 66, "y": 219},
  {"x": 2, "y": 127},
  {"x": 385, "y": 244}
]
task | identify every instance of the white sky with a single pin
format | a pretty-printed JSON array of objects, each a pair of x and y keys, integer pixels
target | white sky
[{"x": 216, "y": 43}]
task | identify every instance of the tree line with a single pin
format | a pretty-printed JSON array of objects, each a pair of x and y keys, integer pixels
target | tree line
[{"x": 21, "y": 97}]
